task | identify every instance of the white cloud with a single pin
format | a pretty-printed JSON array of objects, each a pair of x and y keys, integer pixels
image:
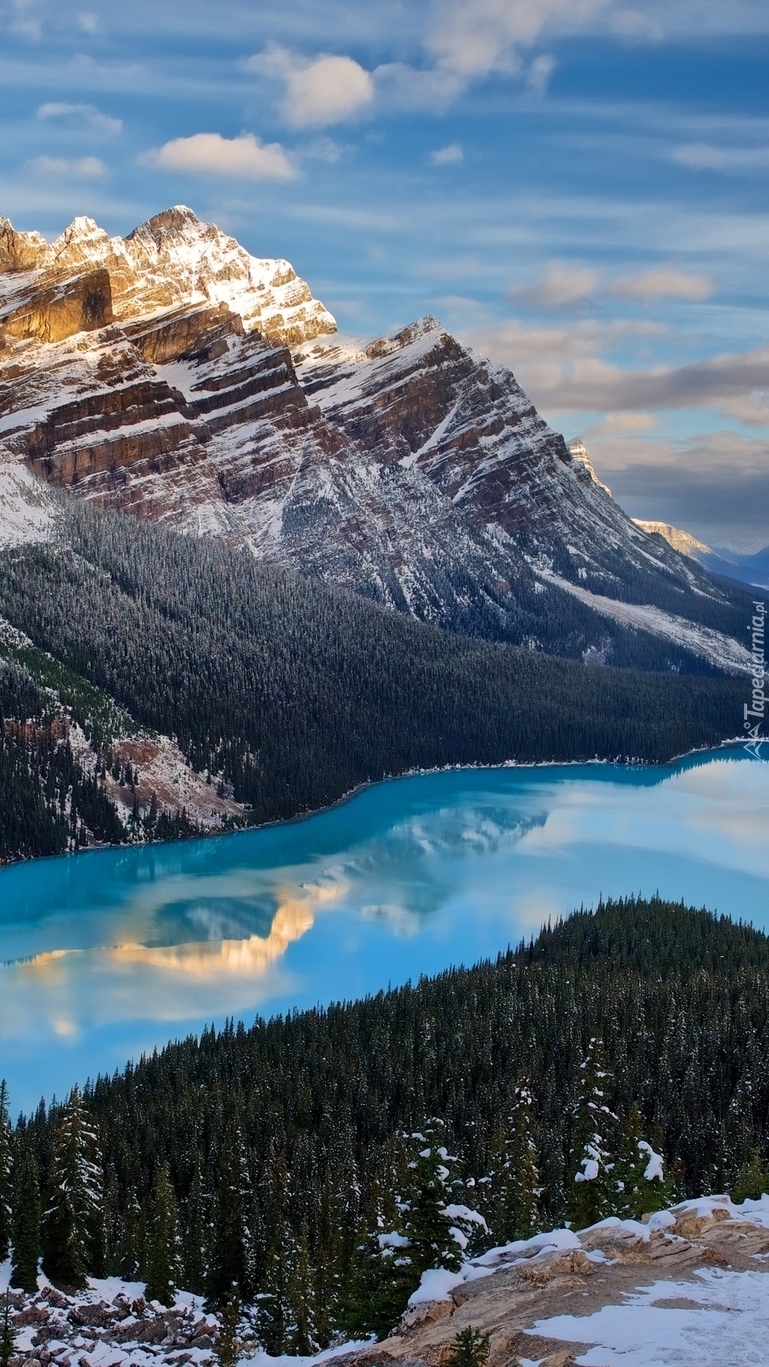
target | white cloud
[
  {"x": 563, "y": 370},
  {"x": 24, "y": 19},
  {"x": 88, "y": 22},
  {"x": 632, "y": 24},
  {"x": 327, "y": 90},
  {"x": 84, "y": 168},
  {"x": 562, "y": 287},
  {"x": 86, "y": 114},
  {"x": 210, "y": 154},
  {"x": 619, "y": 424},
  {"x": 477, "y": 37},
  {"x": 701, "y": 156},
  {"x": 660, "y": 284},
  {"x": 447, "y": 156},
  {"x": 539, "y": 73}
]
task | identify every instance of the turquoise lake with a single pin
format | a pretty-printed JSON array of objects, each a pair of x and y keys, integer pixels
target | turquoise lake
[{"x": 107, "y": 954}]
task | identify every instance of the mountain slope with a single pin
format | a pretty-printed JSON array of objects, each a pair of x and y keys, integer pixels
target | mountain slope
[
  {"x": 288, "y": 694},
  {"x": 154, "y": 374}
]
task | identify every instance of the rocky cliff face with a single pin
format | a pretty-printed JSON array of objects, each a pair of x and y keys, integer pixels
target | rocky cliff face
[{"x": 172, "y": 375}]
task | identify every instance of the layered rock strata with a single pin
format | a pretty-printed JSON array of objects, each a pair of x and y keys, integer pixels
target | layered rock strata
[{"x": 172, "y": 375}]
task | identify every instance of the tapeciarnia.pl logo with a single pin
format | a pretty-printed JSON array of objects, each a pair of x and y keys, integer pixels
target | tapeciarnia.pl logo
[{"x": 755, "y": 710}]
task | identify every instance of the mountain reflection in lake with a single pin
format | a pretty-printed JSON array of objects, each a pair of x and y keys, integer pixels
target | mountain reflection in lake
[{"x": 113, "y": 952}]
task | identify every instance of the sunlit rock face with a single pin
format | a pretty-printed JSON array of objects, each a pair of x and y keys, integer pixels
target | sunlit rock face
[{"x": 174, "y": 376}]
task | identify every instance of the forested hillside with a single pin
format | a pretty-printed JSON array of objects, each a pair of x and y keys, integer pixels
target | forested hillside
[
  {"x": 294, "y": 1156},
  {"x": 291, "y": 694}
]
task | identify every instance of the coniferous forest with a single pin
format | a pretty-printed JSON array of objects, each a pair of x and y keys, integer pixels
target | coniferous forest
[
  {"x": 287, "y": 692},
  {"x": 321, "y": 1161}
]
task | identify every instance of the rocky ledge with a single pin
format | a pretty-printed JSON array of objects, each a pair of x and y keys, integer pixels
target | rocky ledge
[{"x": 613, "y": 1287}]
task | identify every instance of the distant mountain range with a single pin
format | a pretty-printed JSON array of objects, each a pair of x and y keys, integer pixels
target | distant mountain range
[{"x": 722, "y": 560}]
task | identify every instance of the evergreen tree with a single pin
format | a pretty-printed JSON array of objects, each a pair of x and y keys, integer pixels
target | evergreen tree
[
  {"x": 6, "y": 1158},
  {"x": 73, "y": 1218},
  {"x": 753, "y": 1179},
  {"x": 130, "y": 1249},
  {"x": 379, "y": 1283},
  {"x": 7, "y": 1333},
  {"x": 163, "y": 1268},
  {"x": 426, "y": 1224},
  {"x": 228, "y": 1347},
  {"x": 195, "y": 1234},
  {"x": 515, "y": 1181},
  {"x": 300, "y": 1336},
  {"x": 469, "y": 1348},
  {"x": 230, "y": 1255},
  {"x": 26, "y": 1219},
  {"x": 593, "y": 1193},
  {"x": 639, "y": 1173}
]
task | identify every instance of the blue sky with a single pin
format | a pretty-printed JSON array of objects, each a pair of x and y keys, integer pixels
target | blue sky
[{"x": 576, "y": 187}]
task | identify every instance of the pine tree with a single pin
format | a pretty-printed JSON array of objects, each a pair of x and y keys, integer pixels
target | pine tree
[
  {"x": 228, "y": 1347},
  {"x": 26, "y": 1220},
  {"x": 6, "y": 1158},
  {"x": 753, "y": 1179},
  {"x": 194, "y": 1243},
  {"x": 74, "y": 1214},
  {"x": 515, "y": 1181},
  {"x": 163, "y": 1268},
  {"x": 639, "y": 1173},
  {"x": 593, "y": 1193},
  {"x": 130, "y": 1249},
  {"x": 7, "y": 1333},
  {"x": 469, "y": 1348},
  {"x": 426, "y": 1224},
  {"x": 230, "y": 1256},
  {"x": 300, "y": 1338},
  {"x": 378, "y": 1285}
]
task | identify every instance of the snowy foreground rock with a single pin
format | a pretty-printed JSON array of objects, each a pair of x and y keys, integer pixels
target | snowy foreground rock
[
  {"x": 688, "y": 1288},
  {"x": 108, "y": 1325}
]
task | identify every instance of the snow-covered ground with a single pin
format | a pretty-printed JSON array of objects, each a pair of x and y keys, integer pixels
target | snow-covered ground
[{"x": 721, "y": 1321}]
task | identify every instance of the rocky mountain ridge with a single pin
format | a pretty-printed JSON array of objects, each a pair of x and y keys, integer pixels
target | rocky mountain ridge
[{"x": 173, "y": 376}]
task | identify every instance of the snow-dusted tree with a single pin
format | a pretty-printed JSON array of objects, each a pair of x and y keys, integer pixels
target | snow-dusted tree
[
  {"x": 228, "y": 1347},
  {"x": 6, "y": 1158},
  {"x": 163, "y": 1263},
  {"x": 7, "y": 1332},
  {"x": 230, "y": 1261},
  {"x": 195, "y": 1233},
  {"x": 515, "y": 1186},
  {"x": 432, "y": 1232},
  {"x": 593, "y": 1193},
  {"x": 26, "y": 1220},
  {"x": 639, "y": 1173},
  {"x": 73, "y": 1216}
]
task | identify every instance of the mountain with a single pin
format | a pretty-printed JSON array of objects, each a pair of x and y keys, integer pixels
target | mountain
[
  {"x": 173, "y": 376},
  {"x": 752, "y": 570}
]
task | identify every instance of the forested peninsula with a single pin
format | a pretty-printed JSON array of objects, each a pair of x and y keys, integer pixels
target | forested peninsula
[{"x": 281, "y": 693}]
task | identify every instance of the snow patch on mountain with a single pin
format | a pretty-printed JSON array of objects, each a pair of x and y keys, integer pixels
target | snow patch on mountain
[
  {"x": 26, "y": 508},
  {"x": 720, "y": 650}
]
